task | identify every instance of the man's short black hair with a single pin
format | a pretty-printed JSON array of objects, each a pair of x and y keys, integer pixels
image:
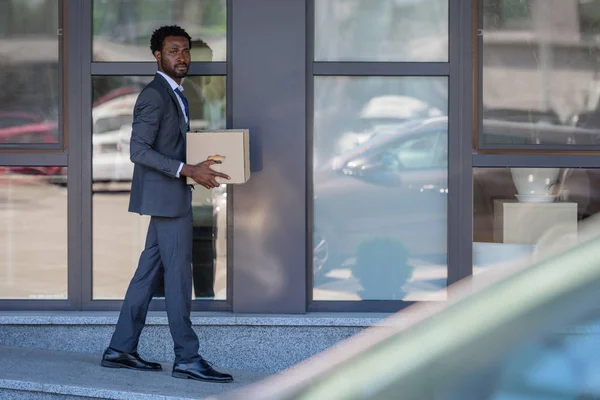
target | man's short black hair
[{"x": 159, "y": 35}]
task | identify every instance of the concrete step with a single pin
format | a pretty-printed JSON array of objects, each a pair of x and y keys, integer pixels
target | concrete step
[
  {"x": 262, "y": 343},
  {"x": 28, "y": 373}
]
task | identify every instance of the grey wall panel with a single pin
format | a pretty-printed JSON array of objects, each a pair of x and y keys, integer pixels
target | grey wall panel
[
  {"x": 460, "y": 107},
  {"x": 76, "y": 49},
  {"x": 85, "y": 157},
  {"x": 269, "y": 211}
]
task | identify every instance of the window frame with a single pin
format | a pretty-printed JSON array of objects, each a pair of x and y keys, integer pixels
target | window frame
[
  {"x": 458, "y": 71},
  {"x": 75, "y": 152},
  {"x": 90, "y": 69},
  {"x": 60, "y": 156}
]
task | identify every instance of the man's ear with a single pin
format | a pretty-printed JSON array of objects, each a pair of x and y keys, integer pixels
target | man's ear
[{"x": 157, "y": 55}]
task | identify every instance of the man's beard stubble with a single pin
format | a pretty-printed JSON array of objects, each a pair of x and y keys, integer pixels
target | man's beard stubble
[{"x": 172, "y": 72}]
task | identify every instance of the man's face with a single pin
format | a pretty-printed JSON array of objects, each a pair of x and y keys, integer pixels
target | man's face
[{"x": 174, "y": 59}]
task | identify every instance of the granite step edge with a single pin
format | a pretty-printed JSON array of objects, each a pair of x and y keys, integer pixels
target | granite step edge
[{"x": 82, "y": 391}]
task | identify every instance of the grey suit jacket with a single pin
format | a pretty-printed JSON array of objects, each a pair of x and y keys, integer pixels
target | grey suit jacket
[{"x": 157, "y": 148}]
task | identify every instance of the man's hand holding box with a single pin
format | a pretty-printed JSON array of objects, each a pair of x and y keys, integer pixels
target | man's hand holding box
[{"x": 229, "y": 149}]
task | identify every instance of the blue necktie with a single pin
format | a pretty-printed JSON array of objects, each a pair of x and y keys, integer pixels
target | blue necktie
[{"x": 185, "y": 105}]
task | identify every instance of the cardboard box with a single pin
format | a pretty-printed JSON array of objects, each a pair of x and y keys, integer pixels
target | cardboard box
[{"x": 230, "y": 145}]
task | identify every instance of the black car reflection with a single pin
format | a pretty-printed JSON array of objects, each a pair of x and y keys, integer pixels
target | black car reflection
[{"x": 394, "y": 186}]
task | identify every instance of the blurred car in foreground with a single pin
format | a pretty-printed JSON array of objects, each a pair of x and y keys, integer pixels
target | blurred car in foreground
[{"x": 524, "y": 331}]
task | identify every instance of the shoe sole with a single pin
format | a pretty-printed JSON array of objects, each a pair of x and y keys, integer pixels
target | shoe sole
[
  {"x": 181, "y": 375},
  {"x": 110, "y": 364}
]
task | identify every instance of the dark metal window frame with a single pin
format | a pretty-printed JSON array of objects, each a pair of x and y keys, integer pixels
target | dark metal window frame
[
  {"x": 256, "y": 83},
  {"x": 464, "y": 71},
  {"x": 460, "y": 215},
  {"x": 56, "y": 151},
  {"x": 44, "y": 156},
  {"x": 80, "y": 69},
  {"x": 498, "y": 156},
  {"x": 90, "y": 69}
]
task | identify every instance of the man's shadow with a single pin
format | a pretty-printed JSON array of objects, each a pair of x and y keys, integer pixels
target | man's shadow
[{"x": 382, "y": 269}]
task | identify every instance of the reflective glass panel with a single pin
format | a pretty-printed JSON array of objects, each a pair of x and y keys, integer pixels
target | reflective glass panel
[
  {"x": 122, "y": 28},
  {"x": 524, "y": 213},
  {"x": 119, "y": 235},
  {"x": 540, "y": 72},
  {"x": 382, "y": 30},
  {"x": 33, "y": 233},
  {"x": 29, "y": 71},
  {"x": 380, "y": 188}
]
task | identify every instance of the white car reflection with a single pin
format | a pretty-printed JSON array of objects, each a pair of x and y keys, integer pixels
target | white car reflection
[
  {"x": 383, "y": 112},
  {"x": 110, "y": 140},
  {"x": 111, "y": 134}
]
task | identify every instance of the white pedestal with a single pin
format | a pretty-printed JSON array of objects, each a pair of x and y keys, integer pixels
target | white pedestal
[{"x": 526, "y": 223}]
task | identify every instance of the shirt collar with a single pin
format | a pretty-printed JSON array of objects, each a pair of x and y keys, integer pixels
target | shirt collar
[{"x": 171, "y": 82}]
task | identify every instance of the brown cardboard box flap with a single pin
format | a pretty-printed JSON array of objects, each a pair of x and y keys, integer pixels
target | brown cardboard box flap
[{"x": 231, "y": 146}]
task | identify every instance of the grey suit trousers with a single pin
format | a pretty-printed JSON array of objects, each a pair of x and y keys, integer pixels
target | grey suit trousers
[{"x": 168, "y": 252}]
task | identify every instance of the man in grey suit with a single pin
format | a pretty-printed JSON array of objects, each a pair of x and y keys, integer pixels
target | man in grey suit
[{"x": 159, "y": 189}]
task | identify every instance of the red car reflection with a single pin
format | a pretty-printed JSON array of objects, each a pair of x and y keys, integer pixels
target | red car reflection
[{"x": 34, "y": 130}]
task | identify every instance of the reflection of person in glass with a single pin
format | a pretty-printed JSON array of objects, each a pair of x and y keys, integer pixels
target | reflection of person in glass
[
  {"x": 158, "y": 189},
  {"x": 382, "y": 268}
]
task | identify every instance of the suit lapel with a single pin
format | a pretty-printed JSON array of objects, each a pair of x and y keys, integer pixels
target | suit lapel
[{"x": 167, "y": 87}]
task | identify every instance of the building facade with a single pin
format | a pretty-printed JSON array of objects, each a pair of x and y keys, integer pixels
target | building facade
[{"x": 397, "y": 146}]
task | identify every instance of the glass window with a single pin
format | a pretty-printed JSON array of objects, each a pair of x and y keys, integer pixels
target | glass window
[
  {"x": 119, "y": 236},
  {"x": 541, "y": 82},
  {"x": 380, "y": 188},
  {"x": 519, "y": 213},
  {"x": 33, "y": 233},
  {"x": 507, "y": 14},
  {"x": 122, "y": 28},
  {"x": 29, "y": 71},
  {"x": 383, "y": 30}
]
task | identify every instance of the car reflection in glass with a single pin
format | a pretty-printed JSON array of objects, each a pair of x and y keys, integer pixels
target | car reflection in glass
[
  {"x": 393, "y": 186},
  {"x": 388, "y": 193}
]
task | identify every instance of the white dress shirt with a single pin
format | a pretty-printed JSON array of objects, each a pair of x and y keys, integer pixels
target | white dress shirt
[{"x": 174, "y": 86}]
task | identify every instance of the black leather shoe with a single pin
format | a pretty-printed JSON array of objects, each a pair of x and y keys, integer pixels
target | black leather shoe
[
  {"x": 200, "y": 371},
  {"x": 115, "y": 359}
]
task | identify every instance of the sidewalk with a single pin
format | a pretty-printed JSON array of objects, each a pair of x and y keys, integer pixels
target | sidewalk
[{"x": 27, "y": 370}]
